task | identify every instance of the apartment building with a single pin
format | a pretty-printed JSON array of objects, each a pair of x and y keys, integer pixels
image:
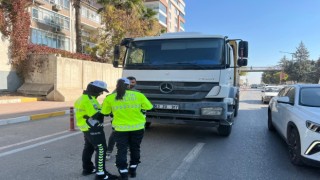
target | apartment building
[
  {"x": 53, "y": 23},
  {"x": 171, "y": 13}
]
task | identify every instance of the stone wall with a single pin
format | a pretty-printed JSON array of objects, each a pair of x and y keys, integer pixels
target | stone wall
[{"x": 64, "y": 79}]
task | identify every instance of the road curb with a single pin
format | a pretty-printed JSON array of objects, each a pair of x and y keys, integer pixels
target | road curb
[
  {"x": 19, "y": 100},
  {"x": 33, "y": 117}
]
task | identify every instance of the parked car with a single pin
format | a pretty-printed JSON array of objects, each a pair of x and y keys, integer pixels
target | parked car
[
  {"x": 295, "y": 114},
  {"x": 254, "y": 86},
  {"x": 269, "y": 92}
]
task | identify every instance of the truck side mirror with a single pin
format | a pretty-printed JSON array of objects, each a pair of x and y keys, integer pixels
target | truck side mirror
[
  {"x": 243, "y": 49},
  {"x": 242, "y": 62},
  {"x": 116, "y": 56}
]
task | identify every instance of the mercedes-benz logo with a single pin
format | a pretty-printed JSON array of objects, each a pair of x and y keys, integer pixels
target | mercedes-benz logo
[{"x": 166, "y": 87}]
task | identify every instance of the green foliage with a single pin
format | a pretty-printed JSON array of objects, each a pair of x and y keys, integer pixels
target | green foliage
[
  {"x": 271, "y": 77},
  {"x": 243, "y": 73},
  {"x": 120, "y": 19},
  {"x": 300, "y": 68}
]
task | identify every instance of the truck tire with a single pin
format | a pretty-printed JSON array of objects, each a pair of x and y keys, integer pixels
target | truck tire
[
  {"x": 224, "y": 130},
  {"x": 236, "y": 109}
]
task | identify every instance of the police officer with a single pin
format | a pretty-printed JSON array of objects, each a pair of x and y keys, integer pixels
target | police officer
[
  {"x": 128, "y": 122},
  {"x": 90, "y": 122},
  {"x": 111, "y": 141}
]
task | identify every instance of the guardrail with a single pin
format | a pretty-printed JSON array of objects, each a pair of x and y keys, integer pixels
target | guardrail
[{"x": 260, "y": 69}]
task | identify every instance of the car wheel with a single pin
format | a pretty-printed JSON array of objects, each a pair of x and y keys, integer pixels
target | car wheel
[
  {"x": 270, "y": 125},
  {"x": 294, "y": 146},
  {"x": 224, "y": 130},
  {"x": 147, "y": 125}
]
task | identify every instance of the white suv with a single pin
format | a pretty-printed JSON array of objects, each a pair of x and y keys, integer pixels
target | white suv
[{"x": 295, "y": 114}]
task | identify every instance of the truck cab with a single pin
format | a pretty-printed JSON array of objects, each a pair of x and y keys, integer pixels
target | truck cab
[{"x": 190, "y": 78}]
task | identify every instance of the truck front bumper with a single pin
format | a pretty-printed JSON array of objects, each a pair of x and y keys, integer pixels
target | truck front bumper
[{"x": 189, "y": 113}]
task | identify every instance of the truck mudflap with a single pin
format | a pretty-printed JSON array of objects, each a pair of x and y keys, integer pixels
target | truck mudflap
[{"x": 188, "y": 113}]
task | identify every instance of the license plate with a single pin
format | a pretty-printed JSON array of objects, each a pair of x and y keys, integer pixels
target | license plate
[{"x": 166, "y": 106}]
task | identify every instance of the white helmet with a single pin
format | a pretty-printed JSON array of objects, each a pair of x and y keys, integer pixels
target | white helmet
[{"x": 100, "y": 84}]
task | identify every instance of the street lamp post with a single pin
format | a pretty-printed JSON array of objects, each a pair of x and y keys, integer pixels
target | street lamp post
[{"x": 292, "y": 54}]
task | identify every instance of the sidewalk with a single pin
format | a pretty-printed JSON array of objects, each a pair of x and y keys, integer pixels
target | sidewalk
[{"x": 21, "y": 109}]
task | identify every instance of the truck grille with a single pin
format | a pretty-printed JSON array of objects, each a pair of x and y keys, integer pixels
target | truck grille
[{"x": 175, "y": 90}]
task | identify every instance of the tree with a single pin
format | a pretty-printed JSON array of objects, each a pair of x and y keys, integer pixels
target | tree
[
  {"x": 300, "y": 68},
  {"x": 242, "y": 73},
  {"x": 120, "y": 19},
  {"x": 271, "y": 77},
  {"x": 314, "y": 75},
  {"x": 77, "y": 6}
]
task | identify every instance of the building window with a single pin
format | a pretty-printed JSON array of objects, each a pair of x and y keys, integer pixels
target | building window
[
  {"x": 181, "y": 15},
  {"x": 163, "y": 8},
  {"x": 90, "y": 14},
  {"x": 181, "y": 6},
  {"x": 50, "y": 39},
  {"x": 65, "y": 4},
  {"x": 162, "y": 18},
  {"x": 181, "y": 25},
  {"x": 50, "y": 18}
]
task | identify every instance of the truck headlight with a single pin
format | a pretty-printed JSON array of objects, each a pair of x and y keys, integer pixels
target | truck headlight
[
  {"x": 313, "y": 126},
  {"x": 211, "y": 111}
]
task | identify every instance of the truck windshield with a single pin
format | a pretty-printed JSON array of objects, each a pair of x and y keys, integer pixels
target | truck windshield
[{"x": 175, "y": 54}]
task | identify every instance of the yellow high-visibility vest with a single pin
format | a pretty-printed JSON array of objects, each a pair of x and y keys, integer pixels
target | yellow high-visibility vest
[
  {"x": 85, "y": 106},
  {"x": 127, "y": 115}
]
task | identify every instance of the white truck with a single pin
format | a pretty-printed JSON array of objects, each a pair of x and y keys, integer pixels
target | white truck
[{"x": 190, "y": 78}]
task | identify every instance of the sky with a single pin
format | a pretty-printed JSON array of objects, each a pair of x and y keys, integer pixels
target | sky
[{"x": 270, "y": 26}]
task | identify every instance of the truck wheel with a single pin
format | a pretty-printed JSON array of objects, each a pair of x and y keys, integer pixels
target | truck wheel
[
  {"x": 224, "y": 130},
  {"x": 147, "y": 125},
  {"x": 236, "y": 109}
]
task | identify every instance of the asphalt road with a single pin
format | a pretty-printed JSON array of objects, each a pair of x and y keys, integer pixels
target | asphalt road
[{"x": 45, "y": 149}]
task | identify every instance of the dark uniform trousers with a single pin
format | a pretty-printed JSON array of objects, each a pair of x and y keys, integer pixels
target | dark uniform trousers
[
  {"x": 125, "y": 140},
  {"x": 94, "y": 140}
]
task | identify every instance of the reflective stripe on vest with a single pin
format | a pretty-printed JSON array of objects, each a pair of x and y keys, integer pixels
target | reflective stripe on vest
[{"x": 129, "y": 127}]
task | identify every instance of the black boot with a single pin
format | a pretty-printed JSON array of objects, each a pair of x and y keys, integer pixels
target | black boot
[
  {"x": 123, "y": 174},
  {"x": 107, "y": 175},
  {"x": 87, "y": 172},
  {"x": 132, "y": 170}
]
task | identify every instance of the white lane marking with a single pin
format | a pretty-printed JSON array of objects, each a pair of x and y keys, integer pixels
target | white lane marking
[
  {"x": 40, "y": 143},
  {"x": 187, "y": 161},
  {"x": 32, "y": 140}
]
